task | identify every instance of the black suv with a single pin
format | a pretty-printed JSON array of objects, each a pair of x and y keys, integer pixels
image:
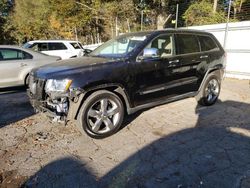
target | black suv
[{"x": 126, "y": 74}]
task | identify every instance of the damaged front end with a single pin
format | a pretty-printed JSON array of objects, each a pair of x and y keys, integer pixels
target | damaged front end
[
  {"x": 56, "y": 98},
  {"x": 58, "y": 108}
]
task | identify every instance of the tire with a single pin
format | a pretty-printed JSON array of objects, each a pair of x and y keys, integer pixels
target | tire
[
  {"x": 210, "y": 91},
  {"x": 101, "y": 114}
]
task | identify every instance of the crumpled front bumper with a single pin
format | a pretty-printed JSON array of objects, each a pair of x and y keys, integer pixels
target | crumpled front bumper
[
  {"x": 52, "y": 110},
  {"x": 61, "y": 110},
  {"x": 39, "y": 105}
]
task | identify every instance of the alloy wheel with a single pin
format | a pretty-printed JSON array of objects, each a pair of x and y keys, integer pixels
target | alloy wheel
[
  {"x": 212, "y": 90},
  {"x": 103, "y": 116}
]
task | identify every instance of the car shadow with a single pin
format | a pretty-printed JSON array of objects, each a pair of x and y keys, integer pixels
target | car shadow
[
  {"x": 12, "y": 90},
  {"x": 129, "y": 118},
  {"x": 213, "y": 153},
  {"x": 15, "y": 105}
]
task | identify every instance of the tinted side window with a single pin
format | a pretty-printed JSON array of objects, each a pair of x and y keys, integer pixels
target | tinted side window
[
  {"x": 11, "y": 54},
  {"x": 187, "y": 44},
  {"x": 207, "y": 43},
  {"x": 164, "y": 44},
  {"x": 27, "y": 55},
  {"x": 57, "y": 46},
  {"x": 39, "y": 47}
]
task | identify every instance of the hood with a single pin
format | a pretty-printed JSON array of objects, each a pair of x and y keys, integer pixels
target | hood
[{"x": 68, "y": 65}]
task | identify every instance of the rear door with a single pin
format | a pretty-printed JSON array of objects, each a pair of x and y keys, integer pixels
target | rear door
[
  {"x": 211, "y": 53},
  {"x": 58, "y": 49},
  {"x": 193, "y": 62}
]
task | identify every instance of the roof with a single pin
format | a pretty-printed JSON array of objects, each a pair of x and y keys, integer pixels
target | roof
[
  {"x": 23, "y": 49},
  {"x": 54, "y": 40},
  {"x": 11, "y": 46},
  {"x": 166, "y": 30}
]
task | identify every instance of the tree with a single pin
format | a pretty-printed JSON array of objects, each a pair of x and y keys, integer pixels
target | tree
[
  {"x": 5, "y": 8},
  {"x": 237, "y": 5},
  {"x": 200, "y": 13},
  {"x": 215, "y": 5},
  {"x": 159, "y": 10},
  {"x": 29, "y": 19}
]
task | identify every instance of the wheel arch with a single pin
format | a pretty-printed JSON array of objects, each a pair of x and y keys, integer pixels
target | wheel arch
[
  {"x": 25, "y": 79},
  {"x": 217, "y": 71},
  {"x": 117, "y": 89},
  {"x": 24, "y": 74}
]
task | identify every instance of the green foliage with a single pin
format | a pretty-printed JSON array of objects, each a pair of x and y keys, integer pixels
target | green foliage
[
  {"x": 95, "y": 20},
  {"x": 201, "y": 13},
  {"x": 5, "y": 8},
  {"x": 43, "y": 19},
  {"x": 46, "y": 19}
]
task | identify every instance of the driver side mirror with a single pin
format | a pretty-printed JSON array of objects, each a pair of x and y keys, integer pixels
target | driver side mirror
[{"x": 149, "y": 53}]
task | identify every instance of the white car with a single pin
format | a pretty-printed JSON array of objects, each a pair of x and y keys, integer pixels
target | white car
[
  {"x": 63, "y": 48},
  {"x": 16, "y": 64}
]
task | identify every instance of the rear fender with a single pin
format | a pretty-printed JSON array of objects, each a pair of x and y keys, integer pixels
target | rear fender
[{"x": 218, "y": 72}]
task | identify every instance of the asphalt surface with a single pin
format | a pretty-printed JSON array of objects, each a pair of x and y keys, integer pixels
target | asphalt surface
[{"x": 177, "y": 145}]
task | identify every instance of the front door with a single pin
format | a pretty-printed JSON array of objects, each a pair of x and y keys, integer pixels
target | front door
[{"x": 154, "y": 76}]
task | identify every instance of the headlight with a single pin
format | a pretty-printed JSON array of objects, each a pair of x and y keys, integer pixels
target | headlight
[{"x": 57, "y": 85}]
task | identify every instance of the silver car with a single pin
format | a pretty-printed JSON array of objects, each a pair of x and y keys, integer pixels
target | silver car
[{"x": 16, "y": 63}]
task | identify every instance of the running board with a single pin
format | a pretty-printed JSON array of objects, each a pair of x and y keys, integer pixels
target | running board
[{"x": 152, "y": 104}]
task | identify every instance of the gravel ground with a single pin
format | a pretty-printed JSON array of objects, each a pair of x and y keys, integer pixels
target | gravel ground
[{"x": 174, "y": 145}]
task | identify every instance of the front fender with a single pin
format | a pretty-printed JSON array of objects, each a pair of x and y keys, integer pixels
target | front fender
[{"x": 75, "y": 105}]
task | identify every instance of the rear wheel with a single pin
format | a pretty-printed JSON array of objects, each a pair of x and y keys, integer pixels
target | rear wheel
[
  {"x": 210, "y": 91},
  {"x": 101, "y": 115}
]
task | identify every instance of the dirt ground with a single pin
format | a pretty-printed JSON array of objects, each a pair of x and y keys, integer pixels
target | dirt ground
[{"x": 179, "y": 145}]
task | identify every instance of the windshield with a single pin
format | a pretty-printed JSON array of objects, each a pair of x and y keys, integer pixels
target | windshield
[
  {"x": 27, "y": 45},
  {"x": 119, "y": 47}
]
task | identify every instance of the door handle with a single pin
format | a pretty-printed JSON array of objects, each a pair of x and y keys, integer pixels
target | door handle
[
  {"x": 23, "y": 64},
  {"x": 174, "y": 61},
  {"x": 203, "y": 56}
]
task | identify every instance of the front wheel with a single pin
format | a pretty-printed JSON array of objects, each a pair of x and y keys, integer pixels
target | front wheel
[
  {"x": 101, "y": 115},
  {"x": 210, "y": 91}
]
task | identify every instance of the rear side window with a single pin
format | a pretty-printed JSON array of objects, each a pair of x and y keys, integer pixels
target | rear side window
[
  {"x": 27, "y": 55},
  {"x": 13, "y": 54},
  {"x": 57, "y": 46},
  {"x": 207, "y": 43},
  {"x": 187, "y": 44}
]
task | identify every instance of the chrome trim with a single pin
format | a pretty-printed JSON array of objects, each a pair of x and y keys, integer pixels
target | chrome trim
[
  {"x": 152, "y": 90},
  {"x": 167, "y": 87},
  {"x": 174, "y": 61}
]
